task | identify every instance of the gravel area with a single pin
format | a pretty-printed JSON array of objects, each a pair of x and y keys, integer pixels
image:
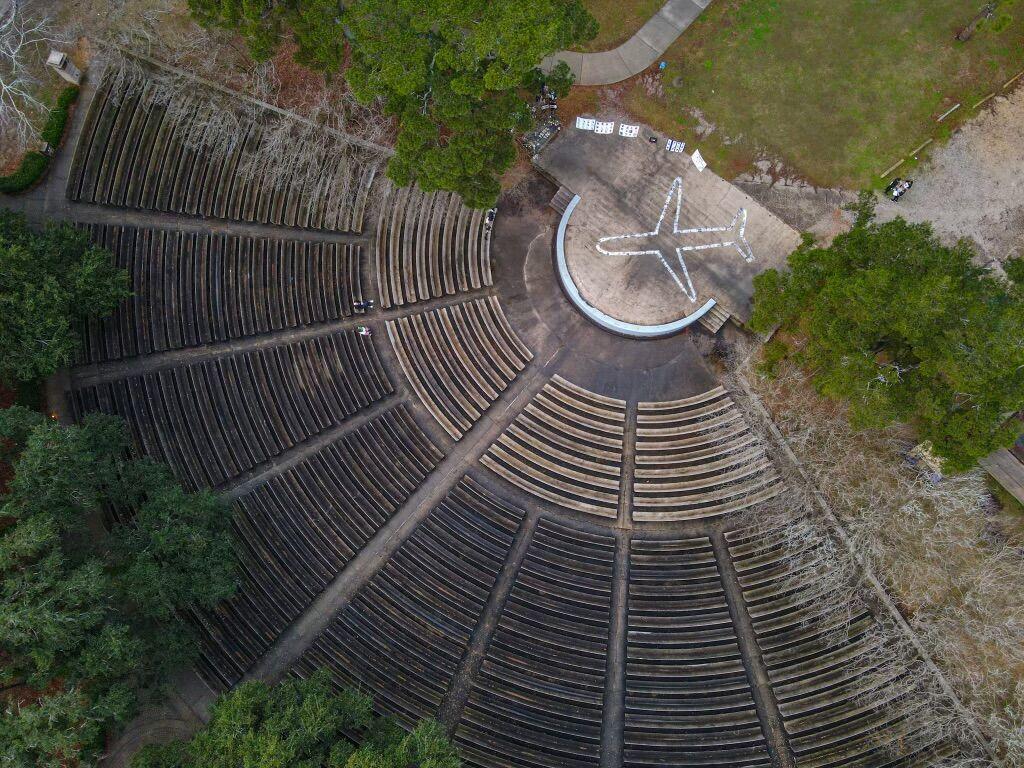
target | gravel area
[
  {"x": 974, "y": 185},
  {"x": 971, "y": 187}
]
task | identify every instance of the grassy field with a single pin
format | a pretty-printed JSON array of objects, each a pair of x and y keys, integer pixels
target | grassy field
[
  {"x": 838, "y": 90},
  {"x": 619, "y": 19}
]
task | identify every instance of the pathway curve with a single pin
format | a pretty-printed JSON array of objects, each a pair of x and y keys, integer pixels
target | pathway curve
[{"x": 636, "y": 54}]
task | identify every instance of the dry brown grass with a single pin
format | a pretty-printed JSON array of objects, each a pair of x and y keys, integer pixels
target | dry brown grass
[
  {"x": 580, "y": 101},
  {"x": 520, "y": 172}
]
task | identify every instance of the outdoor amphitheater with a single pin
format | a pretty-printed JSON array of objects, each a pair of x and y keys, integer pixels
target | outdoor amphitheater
[{"x": 492, "y": 508}]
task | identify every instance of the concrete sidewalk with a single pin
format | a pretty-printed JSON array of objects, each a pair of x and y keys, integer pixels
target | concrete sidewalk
[{"x": 636, "y": 54}]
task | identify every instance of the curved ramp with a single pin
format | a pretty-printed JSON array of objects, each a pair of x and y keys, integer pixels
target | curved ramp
[{"x": 636, "y": 54}]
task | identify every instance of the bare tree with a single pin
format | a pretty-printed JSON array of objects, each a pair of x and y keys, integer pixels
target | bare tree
[
  {"x": 938, "y": 548},
  {"x": 821, "y": 579},
  {"x": 314, "y": 156},
  {"x": 23, "y": 43}
]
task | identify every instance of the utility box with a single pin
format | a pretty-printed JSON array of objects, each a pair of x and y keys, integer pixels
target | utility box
[{"x": 60, "y": 62}]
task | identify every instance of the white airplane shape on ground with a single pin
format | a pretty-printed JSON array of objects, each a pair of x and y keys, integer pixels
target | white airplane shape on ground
[{"x": 735, "y": 240}]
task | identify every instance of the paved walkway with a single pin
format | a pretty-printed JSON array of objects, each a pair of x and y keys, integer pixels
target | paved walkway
[
  {"x": 304, "y": 630},
  {"x": 636, "y": 54}
]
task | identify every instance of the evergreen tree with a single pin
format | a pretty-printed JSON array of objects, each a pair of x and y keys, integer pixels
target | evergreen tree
[
  {"x": 905, "y": 329},
  {"x": 88, "y": 609},
  {"x": 299, "y": 724},
  {"x": 50, "y": 281},
  {"x": 453, "y": 74}
]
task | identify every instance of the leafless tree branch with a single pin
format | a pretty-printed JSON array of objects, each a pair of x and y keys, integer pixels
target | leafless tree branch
[
  {"x": 24, "y": 43},
  {"x": 938, "y": 547}
]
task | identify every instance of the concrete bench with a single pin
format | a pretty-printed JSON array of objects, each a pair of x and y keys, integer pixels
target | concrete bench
[
  {"x": 402, "y": 637},
  {"x": 539, "y": 696},
  {"x": 191, "y": 288},
  {"x": 302, "y": 527},
  {"x": 458, "y": 360},
  {"x": 565, "y": 447}
]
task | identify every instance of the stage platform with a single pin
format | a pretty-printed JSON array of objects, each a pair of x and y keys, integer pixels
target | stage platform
[{"x": 648, "y": 243}]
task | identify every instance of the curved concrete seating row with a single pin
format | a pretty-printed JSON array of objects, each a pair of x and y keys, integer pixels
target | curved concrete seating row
[
  {"x": 191, "y": 289},
  {"x": 402, "y": 638},
  {"x": 458, "y": 359},
  {"x": 132, "y": 154},
  {"x": 214, "y": 420},
  {"x": 296, "y": 532},
  {"x": 429, "y": 245},
  {"x": 538, "y": 698},
  {"x": 835, "y": 698},
  {"x": 688, "y": 699},
  {"x": 696, "y": 458},
  {"x": 565, "y": 447}
]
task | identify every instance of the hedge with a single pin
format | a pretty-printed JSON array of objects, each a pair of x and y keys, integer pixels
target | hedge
[
  {"x": 32, "y": 167},
  {"x": 53, "y": 131},
  {"x": 34, "y": 164}
]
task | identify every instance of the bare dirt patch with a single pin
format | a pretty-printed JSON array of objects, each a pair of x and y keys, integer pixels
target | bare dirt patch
[{"x": 973, "y": 187}]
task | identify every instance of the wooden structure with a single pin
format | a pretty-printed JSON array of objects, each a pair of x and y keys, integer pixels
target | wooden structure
[{"x": 1007, "y": 466}]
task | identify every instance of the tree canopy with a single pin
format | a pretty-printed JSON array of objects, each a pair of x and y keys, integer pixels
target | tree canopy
[
  {"x": 51, "y": 280},
  {"x": 302, "y": 724},
  {"x": 906, "y": 330},
  {"x": 97, "y": 552},
  {"x": 453, "y": 74}
]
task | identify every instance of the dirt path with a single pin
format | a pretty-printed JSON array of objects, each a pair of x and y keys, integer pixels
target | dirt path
[{"x": 974, "y": 186}]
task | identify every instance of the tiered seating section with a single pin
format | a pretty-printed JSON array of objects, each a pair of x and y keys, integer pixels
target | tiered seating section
[
  {"x": 214, "y": 420},
  {"x": 697, "y": 457},
  {"x": 539, "y": 695},
  {"x": 297, "y": 532},
  {"x": 194, "y": 289},
  {"x": 132, "y": 154},
  {"x": 430, "y": 245},
  {"x": 565, "y": 447},
  {"x": 822, "y": 678},
  {"x": 688, "y": 700},
  {"x": 458, "y": 359},
  {"x": 538, "y": 698},
  {"x": 402, "y": 638}
]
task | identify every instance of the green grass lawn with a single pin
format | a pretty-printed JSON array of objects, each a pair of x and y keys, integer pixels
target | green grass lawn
[
  {"x": 839, "y": 89},
  {"x": 619, "y": 19}
]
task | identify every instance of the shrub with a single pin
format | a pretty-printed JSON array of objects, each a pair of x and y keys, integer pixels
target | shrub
[
  {"x": 34, "y": 164},
  {"x": 68, "y": 96},
  {"x": 32, "y": 167},
  {"x": 1001, "y": 23},
  {"x": 774, "y": 352},
  {"x": 53, "y": 131}
]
